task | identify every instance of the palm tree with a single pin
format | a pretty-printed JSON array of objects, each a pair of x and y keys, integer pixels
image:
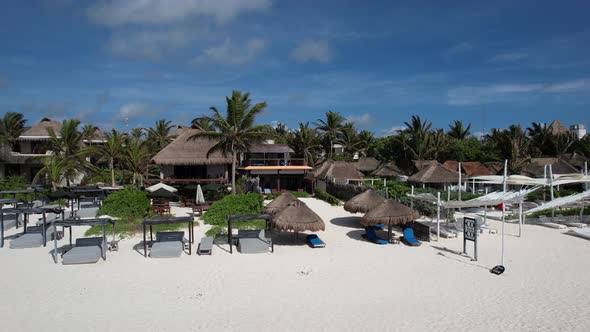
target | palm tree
[
  {"x": 55, "y": 171},
  {"x": 540, "y": 139},
  {"x": 458, "y": 131},
  {"x": 512, "y": 145},
  {"x": 159, "y": 136},
  {"x": 418, "y": 141},
  {"x": 305, "y": 143},
  {"x": 235, "y": 131},
  {"x": 281, "y": 133},
  {"x": 331, "y": 128},
  {"x": 12, "y": 126},
  {"x": 112, "y": 150},
  {"x": 366, "y": 143},
  {"x": 202, "y": 123},
  {"x": 348, "y": 138},
  {"x": 137, "y": 159},
  {"x": 68, "y": 147}
]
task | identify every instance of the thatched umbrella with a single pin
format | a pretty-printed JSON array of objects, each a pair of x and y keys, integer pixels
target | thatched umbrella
[
  {"x": 298, "y": 218},
  {"x": 389, "y": 213},
  {"x": 364, "y": 201},
  {"x": 279, "y": 203}
]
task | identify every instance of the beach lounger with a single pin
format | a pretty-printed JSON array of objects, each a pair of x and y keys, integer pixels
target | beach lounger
[
  {"x": 552, "y": 225},
  {"x": 314, "y": 241},
  {"x": 86, "y": 251},
  {"x": 33, "y": 238},
  {"x": 205, "y": 246},
  {"x": 253, "y": 242},
  {"x": 379, "y": 227},
  {"x": 409, "y": 238},
  {"x": 583, "y": 233},
  {"x": 372, "y": 236},
  {"x": 444, "y": 232},
  {"x": 168, "y": 245}
]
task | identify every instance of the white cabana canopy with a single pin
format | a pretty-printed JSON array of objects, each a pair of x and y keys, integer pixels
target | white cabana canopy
[
  {"x": 558, "y": 179},
  {"x": 161, "y": 186},
  {"x": 561, "y": 201},
  {"x": 491, "y": 199},
  {"x": 428, "y": 197}
]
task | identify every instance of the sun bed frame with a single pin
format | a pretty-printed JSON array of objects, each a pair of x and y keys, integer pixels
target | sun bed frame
[
  {"x": 244, "y": 217},
  {"x": 84, "y": 242},
  {"x": 28, "y": 239},
  {"x": 172, "y": 220}
]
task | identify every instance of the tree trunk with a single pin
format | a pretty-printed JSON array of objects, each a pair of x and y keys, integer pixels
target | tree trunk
[
  {"x": 233, "y": 172},
  {"x": 112, "y": 167}
]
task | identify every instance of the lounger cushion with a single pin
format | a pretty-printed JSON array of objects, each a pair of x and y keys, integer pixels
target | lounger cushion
[
  {"x": 409, "y": 237},
  {"x": 82, "y": 255},
  {"x": 314, "y": 241},
  {"x": 169, "y": 236},
  {"x": 206, "y": 246},
  {"x": 166, "y": 249},
  {"x": 372, "y": 236},
  {"x": 253, "y": 241}
]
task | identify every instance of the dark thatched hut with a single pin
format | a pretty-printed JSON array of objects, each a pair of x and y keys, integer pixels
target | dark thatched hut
[
  {"x": 388, "y": 170},
  {"x": 435, "y": 174},
  {"x": 389, "y": 212},
  {"x": 367, "y": 164},
  {"x": 298, "y": 218},
  {"x": 468, "y": 168},
  {"x": 364, "y": 201},
  {"x": 188, "y": 152},
  {"x": 39, "y": 131},
  {"x": 536, "y": 167}
]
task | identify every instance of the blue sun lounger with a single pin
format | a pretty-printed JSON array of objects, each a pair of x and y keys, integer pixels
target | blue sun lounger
[
  {"x": 379, "y": 227},
  {"x": 372, "y": 236},
  {"x": 409, "y": 238},
  {"x": 314, "y": 241}
]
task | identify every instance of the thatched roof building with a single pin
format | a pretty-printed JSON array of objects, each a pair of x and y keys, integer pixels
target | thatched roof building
[
  {"x": 536, "y": 167},
  {"x": 389, "y": 212},
  {"x": 367, "y": 164},
  {"x": 298, "y": 218},
  {"x": 422, "y": 164},
  {"x": 188, "y": 152},
  {"x": 468, "y": 168},
  {"x": 435, "y": 174},
  {"x": 557, "y": 128},
  {"x": 337, "y": 170},
  {"x": 387, "y": 170},
  {"x": 364, "y": 201},
  {"x": 39, "y": 131}
]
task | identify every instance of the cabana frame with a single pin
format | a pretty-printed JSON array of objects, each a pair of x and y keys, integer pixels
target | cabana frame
[
  {"x": 83, "y": 222},
  {"x": 246, "y": 217},
  {"x": 172, "y": 220}
]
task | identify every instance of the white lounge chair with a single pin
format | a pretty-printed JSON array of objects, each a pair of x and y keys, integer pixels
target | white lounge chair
[{"x": 583, "y": 233}]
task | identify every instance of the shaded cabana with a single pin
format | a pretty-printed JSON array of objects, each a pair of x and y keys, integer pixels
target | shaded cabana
[
  {"x": 364, "y": 201},
  {"x": 279, "y": 203},
  {"x": 36, "y": 235},
  {"x": 298, "y": 218},
  {"x": 162, "y": 221},
  {"x": 435, "y": 174},
  {"x": 389, "y": 213},
  {"x": 232, "y": 218},
  {"x": 388, "y": 170},
  {"x": 86, "y": 246}
]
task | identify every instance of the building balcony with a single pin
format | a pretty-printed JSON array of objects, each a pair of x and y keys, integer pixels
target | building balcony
[{"x": 274, "y": 162}]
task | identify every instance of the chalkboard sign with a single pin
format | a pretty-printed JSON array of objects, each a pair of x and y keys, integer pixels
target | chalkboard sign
[{"x": 470, "y": 231}]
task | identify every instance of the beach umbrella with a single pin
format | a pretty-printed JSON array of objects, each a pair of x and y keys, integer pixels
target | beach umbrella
[
  {"x": 280, "y": 202},
  {"x": 162, "y": 193},
  {"x": 200, "y": 199},
  {"x": 364, "y": 201},
  {"x": 161, "y": 186},
  {"x": 298, "y": 218},
  {"x": 389, "y": 213}
]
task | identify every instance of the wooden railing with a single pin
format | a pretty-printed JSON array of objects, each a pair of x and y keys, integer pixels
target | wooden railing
[
  {"x": 184, "y": 181},
  {"x": 274, "y": 162}
]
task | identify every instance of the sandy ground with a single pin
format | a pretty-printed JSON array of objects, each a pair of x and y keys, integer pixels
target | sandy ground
[{"x": 349, "y": 285}]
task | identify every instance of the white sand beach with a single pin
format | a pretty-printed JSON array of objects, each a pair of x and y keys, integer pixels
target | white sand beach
[{"x": 351, "y": 285}]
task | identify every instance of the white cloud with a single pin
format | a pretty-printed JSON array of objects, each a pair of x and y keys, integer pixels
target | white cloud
[
  {"x": 474, "y": 95},
  {"x": 361, "y": 120},
  {"x": 392, "y": 131},
  {"x": 232, "y": 54},
  {"x": 122, "y": 12},
  {"x": 151, "y": 45},
  {"x": 135, "y": 110},
  {"x": 459, "y": 48},
  {"x": 313, "y": 50},
  {"x": 509, "y": 57}
]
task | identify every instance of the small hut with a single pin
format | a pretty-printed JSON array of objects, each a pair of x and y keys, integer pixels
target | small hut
[
  {"x": 39, "y": 131},
  {"x": 388, "y": 170},
  {"x": 298, "y": 218},
  {"x": 367, "y": 164},
  {"x": 389, "y": 213},
  {"x": 536, "y": 167},
  {"x": 364, "y": 202},
  {"x": 468, "y": 168},
  {"x": 435, "y": 174}
]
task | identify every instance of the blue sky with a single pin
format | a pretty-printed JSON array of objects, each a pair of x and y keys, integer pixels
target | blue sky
[{"x": 489, "y": 63}]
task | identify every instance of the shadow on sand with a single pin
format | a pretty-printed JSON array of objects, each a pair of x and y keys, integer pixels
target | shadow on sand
[
  {"x": 443, "y": 251},
  {"x": 350, "y": 222}
]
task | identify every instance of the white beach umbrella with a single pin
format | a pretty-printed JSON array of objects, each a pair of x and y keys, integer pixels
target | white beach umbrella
[{"x": 200, "y": 199}]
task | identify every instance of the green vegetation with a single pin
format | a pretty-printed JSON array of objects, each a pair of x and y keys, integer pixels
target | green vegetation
[
  {"x": 250, "y": 203},
  {"x": 324, "y": 196}
]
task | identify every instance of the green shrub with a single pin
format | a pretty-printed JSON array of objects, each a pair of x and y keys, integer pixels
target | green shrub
[
  {"x": 300, "y": 194},
  {"x": 324, "y": 196},
  {"x": 128, "y": 205},
  {"x": 250, "y": 203}
]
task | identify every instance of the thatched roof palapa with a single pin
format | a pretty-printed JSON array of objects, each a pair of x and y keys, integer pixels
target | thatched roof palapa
[
  {"x": 364, "y": 201},
  {"x": 469, "y": 168},
  {"x": 387, "y": 170},
  {"x": 339, "y": 170},
  {"x": 298, "y": 218},
  {"x": 435, "y": 174},
  {"x": 422, "y": 164},
  {"x": 557, "y": 128},
  {"x": 367, "y": 164},
  {"x": 389, "y": 213},
  {"x": 536, "y": 167},
  {"x": 185, "y": 151},
  {"x": 39, "y": 131},
  {"x": 279, "y": 203}
]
